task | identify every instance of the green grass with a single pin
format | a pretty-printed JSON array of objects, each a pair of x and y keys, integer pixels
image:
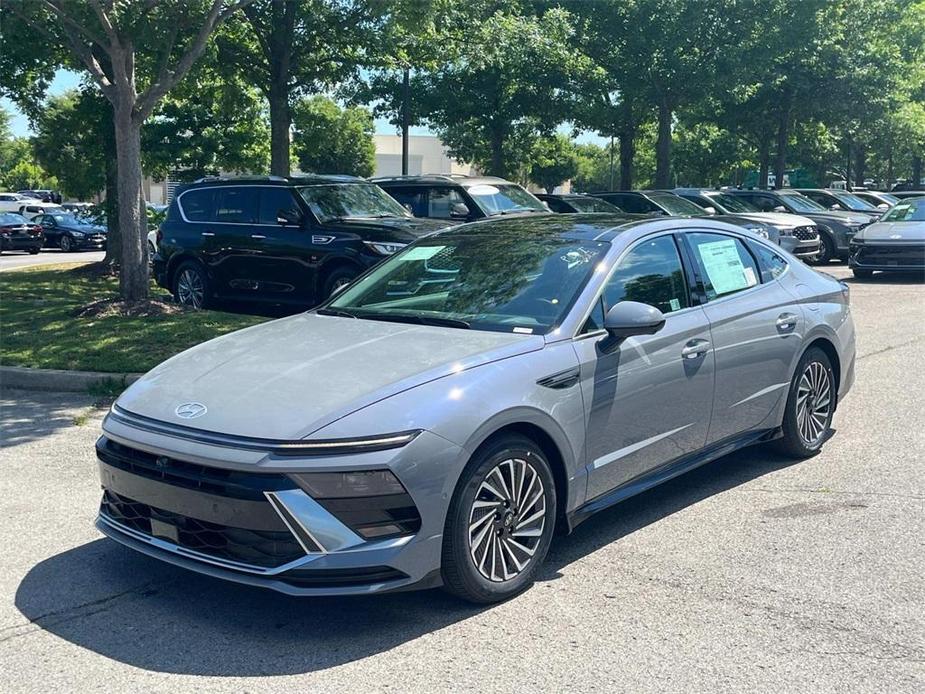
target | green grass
[{"x": 39, "y": 328}]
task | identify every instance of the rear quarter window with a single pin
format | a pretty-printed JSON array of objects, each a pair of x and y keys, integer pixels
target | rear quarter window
[{"x": 197, "y": 205}]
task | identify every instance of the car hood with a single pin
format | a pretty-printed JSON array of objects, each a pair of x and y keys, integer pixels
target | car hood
[
  {"x": 392, "y": 228},
  {"x": 290, "y": 377},
  {"x": 851, "y": 218},
  {"x": 781, "y": 220},
  {"x": 893, "y": 231},
  {"x": 84, "y": 230}
]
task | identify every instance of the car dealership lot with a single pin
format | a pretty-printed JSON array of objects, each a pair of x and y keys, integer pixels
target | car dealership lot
[{"x": 753, "y": 572}]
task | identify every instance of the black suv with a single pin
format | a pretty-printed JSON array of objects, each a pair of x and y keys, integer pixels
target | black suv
[
  {"x": 277, "y": 240},
  {"x": 460, "y": 198}
]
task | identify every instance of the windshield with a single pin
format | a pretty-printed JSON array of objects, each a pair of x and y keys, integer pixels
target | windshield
[
  {"x": 335, "y": 201},
  {"x": 676, "y": 205},
  {"x": 801, "y": 203},
  {"x": 503, "y": 198},
  {"x": 589, "y": 204},
  {"x": 71, "y": 220},
  {"x": 910, "y": 210},
  {"x": 511, "y": 280},
  {"x": 853, "y": 202},
  {"x": 730, "y": 203},
  {"x": 11, "y": 218}
]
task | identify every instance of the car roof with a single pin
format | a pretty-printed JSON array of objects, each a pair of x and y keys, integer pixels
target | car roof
[
  {"x": 306, "y": 179},
  {"x": 441, "y": 179}
]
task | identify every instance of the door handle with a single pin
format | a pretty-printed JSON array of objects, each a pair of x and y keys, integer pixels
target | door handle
[
  {"x": 695, "y": 348},
  {"x": 786, "y": 321},
  {"x": 208, "y": 233},
  {"x": 258, "y": 236}
]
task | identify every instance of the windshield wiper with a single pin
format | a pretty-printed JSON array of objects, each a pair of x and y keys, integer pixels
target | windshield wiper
[
  {"x": 417, "y": 319},
  {"x": 335, "y": 312}
]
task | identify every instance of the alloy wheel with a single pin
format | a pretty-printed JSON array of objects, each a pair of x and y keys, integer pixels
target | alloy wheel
[
  {"x": 65, "y": 243},
  {"x": 339, "y": 284},
  {"x": 507, "y": 520},
  {"x": 814, "y": 403},
  {"x": 190, "y": 288}
]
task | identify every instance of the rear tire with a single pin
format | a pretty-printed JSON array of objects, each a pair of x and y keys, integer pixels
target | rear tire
[
  {"x": 500, "y": 522},
  {"x": 810, "y": 406},
  {"x": 34, "y": 251},
  {"x": 862, "y": 274},
  {"x": 191, "y": 285}
]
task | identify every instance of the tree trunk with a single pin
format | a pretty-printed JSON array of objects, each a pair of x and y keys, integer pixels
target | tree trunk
[
  {"x": 889, "y": 167},
  {"x": 916, "y": 172},
  {"x": 498, "y": 167},
  {"x": 783, "y": 135},
  {"x": 764, "y": 161},
  {"x": 133, "y": 276},
  {"x": 627, "y": 155},
  {"x": 111, "y": 205},
  {"x": 663, "y": 147},
  {"x": 280, "y": 121},
  {"x": 860, "y": 165}
]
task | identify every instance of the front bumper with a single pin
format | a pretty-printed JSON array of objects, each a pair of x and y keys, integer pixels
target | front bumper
[
  {"x": 97, "y": 242},
  {"x": 248, "y": 521},
  {"x": 21, "y": 243},
  {"x": 894, "y": 257}
]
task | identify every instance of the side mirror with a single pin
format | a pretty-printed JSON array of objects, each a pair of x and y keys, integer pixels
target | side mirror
[
  {"x": 779, "y": 208},
  {"x": 288, "y": 217},
  {"x": 883, "y": 206},
  {"x": 629, "y": 318},
  {"x": 459, "y": 211},
  {"x": 836, "y": 206},
  {"x": 709, "y": 209}
]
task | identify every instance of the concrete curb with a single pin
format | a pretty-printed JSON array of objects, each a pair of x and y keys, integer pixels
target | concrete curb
[{"x": 24, "y": 378}]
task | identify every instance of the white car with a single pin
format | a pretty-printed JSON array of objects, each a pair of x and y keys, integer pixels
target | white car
[
  {"x": 30, "y": 209},
  {"x": 13, "y": 202}
]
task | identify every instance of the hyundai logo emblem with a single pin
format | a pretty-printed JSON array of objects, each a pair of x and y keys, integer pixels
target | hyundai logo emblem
[{"x": 191, "y": 410}]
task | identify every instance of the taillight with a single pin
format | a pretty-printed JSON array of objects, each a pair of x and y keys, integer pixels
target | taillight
[{"x": 35, "y": 231}]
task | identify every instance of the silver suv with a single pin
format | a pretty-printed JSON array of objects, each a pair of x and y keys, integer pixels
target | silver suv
[{"x": 436, "y": 420}]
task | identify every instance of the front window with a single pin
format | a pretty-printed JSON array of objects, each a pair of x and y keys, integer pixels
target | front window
[
  {"x": 504, "y": 198},
  {"x": 589, "y": 204},
  {"x": 69, "y": 220},
  {"x": 800, "y": 203},
  {"x": 912, "y": 210},
  {"x": 853, "y": 202},
  {"x": 519, "y": 280},
  {"x": 730, "y": 203},
  {"x": 339, "y": 201},
  {"x": 724, "y": 264},
  {"x": 677, "y": 206}
]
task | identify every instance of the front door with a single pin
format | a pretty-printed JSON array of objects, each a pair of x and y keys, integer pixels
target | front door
[{"x": 648, "y": 402}]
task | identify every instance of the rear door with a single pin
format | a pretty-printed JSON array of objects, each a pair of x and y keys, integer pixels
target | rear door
[
  {"x": 235, "y": 242},
  {"x": 756, "y": 329}
]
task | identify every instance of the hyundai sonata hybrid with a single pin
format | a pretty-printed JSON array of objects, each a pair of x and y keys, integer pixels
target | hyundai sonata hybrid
[{"x": 435, "y": 421}]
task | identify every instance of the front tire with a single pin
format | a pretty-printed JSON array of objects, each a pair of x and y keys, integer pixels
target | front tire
[
  {"x": 191, "y": 286},
  {"x": 500, "y": 521},
  {"x": 810, "y": 406},
  {"x": 34, "y": 251},
  {"x": 826, "y": 250}
]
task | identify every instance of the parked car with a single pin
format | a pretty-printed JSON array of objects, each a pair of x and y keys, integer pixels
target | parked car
[
  {"x": 904, "y": 194},
  {"x": 18, "y": 234},
  {"x": 896, "y": 243},
  {"x": 278, "y": 240},
  {"x": 517, "y": 375},
  {"x": 459, "y": 199},
  {"x": 32, "y": 209},
  {"x": 77, "y": 207},
  {"x": 879, "y": 199},
  {"x": 71, "y": 233},
  {"x": 14, "y": 202},
  {"x": 573, "y": 203},
  {"x": 841, "y": 200},
  {"x": 661, "y": 202},
  {"x": 44, "y": 195},
  {"x": 835, "y": 227},
  {"x": 797, "y": 234}
]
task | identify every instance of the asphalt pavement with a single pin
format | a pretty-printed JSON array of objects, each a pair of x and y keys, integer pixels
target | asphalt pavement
[
  {"x": 753, "y": 573},
  {"x": 12, "y": 260}
]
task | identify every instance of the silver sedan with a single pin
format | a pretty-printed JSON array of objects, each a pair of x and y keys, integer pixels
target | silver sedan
[{"x": 439, "y": 418}]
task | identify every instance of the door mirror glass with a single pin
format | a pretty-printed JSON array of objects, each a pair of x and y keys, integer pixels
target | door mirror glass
[
  {"x": 709, "y": 209},
  {"x": 459, "y": 211},
  {"x": 779, "y": 208},
  {"x": 629, "y": 318},
  {"x": 836, "y": 206}
]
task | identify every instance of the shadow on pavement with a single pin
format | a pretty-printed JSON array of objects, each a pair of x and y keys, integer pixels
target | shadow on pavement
[
  {"x": 151, "y": 615},
  {"x": 28, "y": 416}
]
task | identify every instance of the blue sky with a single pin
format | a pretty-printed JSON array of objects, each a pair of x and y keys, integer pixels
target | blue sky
[{"x": 65, "y": 79}]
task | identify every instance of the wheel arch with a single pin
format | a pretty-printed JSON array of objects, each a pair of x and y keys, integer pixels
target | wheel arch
[{"x": 175, "y": 261}]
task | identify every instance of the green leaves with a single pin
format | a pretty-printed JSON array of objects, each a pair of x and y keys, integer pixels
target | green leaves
[{"x": 333, "y": 140}]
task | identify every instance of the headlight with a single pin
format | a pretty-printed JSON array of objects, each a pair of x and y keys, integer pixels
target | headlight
[
  {"x": 760, "y": 230},
  {"x": 346, "y": 446},
  {"x": 78, "y": 234},
  {"x": 350, "y": 485},
  {"x": 385, "y": 248}
]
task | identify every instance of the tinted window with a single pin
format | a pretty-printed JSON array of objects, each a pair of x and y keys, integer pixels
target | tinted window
[
  {"x": 632, "y": 203},
  {"x": 772, "y": 264},
  {"x": 197, "y": 205},
  {"x": 676, "y": 205},
  {"x": 589, "y": 204},
  {"x": 236, "y": 205},
  {"x": 446, "y": 203},
  {"x": 651, "y": 274},
  {"x": 276, "y": 200},
  {"x": 557, "y": 205},
  {"x": 725, "y": 264},
  {"x": 412, "y": 199},
  {"x": 762, "y": 202}
]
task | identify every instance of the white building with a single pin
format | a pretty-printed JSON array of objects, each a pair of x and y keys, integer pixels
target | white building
[{"x": 426, "y": 155}]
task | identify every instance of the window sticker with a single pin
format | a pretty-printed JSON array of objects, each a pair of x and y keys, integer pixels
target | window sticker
[
  {"x": 675, "y": 305},
  {"x": 724, "y": 267},
  {"x": 422, "y": 252}
]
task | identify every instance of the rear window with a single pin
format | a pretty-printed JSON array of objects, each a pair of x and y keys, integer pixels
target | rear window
[{"x": 197, "y": 205}]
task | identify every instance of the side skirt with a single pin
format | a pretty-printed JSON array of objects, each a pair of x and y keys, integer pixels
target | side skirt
[{"x": 668, "y": 471}]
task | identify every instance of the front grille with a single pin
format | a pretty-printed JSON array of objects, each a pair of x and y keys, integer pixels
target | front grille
[
  {"x": 263, "y": 548},
  {"x": 806, "y": 233},
  {"x": 898, "y": 256},
  {"x": 230, "y": 483}
]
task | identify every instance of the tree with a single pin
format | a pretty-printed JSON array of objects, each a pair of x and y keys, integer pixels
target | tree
[
  {"x": 554, "y": 162},
  {"x": 510, "y": 84},
  {"x": 26, "y": 175},
  {"x": 68, "y": 142},
  {"x": 111, "y": 41},
  {"x": 291, "y": 48},
  {"x": 334, "y": 140}
]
